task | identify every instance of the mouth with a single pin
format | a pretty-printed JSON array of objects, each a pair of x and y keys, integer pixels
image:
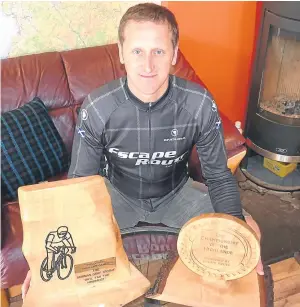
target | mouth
[{"x": 148, "y": 77}]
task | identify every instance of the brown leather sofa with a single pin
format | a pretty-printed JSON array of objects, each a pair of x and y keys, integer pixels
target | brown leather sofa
[{"x": 62, "y": 80}]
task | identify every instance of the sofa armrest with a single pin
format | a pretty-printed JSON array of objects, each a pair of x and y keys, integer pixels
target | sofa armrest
[
  {"x": 233, "y": 138},
  {"x": 14, "y": 266},
  {"x": 234, "y": 143}
]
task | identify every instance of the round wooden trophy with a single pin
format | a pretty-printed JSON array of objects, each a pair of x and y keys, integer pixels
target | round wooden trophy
[
  {"x": 215, "y": 266},
  {"x": 218, "y": 246}
]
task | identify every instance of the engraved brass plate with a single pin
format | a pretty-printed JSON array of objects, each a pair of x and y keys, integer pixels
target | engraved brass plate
[
  {"x": 96, "y": 271},
  {"x": 218, "y": 246}
]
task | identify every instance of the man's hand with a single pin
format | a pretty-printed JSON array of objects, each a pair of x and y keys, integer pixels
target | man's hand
[
  {"x": 26, "y": 284},
  {"x": 254, "y": 226}
]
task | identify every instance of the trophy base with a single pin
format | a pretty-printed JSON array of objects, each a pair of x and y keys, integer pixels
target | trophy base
[
  {"x": 109, "y": 294},
  {"x": 178, "y": 284}
]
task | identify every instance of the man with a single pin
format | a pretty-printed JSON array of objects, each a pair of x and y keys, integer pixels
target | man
[{"x": 146, "y": 124}]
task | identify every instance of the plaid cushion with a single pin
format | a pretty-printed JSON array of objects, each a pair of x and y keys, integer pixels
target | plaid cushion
[{"x": 31, "y": 148}]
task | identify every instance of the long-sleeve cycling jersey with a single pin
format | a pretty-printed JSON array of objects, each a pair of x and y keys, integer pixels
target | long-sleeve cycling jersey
[{"x": 147, "y": 145}]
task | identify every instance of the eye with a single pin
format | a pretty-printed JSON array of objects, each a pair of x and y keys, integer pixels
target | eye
[
  {"x": 159, "y": 52},
  {"x": 136, "y": 51}
]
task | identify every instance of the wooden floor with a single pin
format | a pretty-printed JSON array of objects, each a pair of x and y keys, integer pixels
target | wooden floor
[{"x": 286, "y": 277}]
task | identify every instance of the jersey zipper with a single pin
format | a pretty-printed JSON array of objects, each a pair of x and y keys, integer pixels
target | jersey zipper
[{"x": 150, "y": 149}]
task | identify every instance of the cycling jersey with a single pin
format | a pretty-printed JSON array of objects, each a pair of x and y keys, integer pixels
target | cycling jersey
[{"x": 147, "y": 145}]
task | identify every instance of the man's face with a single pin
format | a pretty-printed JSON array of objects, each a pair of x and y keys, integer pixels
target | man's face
[{"x": 147, "y": 53}]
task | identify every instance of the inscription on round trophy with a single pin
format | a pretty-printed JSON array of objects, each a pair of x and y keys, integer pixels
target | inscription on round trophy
[{"x": 218, "y": 246}]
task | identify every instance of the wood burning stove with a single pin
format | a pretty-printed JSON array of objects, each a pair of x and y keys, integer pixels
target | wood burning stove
[{"x": 273, "y": 118}]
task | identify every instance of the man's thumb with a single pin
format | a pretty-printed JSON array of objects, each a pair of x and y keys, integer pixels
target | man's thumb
[{"x": 260, "y": 268}]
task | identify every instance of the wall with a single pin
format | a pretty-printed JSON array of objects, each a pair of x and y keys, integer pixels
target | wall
[
  {"x": 217, "y": 39},
  {"x": 28, "y": 27}
]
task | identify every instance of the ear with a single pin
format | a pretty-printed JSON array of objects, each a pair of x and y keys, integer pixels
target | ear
[
  {"x": 174, "y": 60},
  {"x": 120, "y": 53}
]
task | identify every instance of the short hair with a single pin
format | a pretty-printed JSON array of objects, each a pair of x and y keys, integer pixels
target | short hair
[{"x": 150, "y": 12}]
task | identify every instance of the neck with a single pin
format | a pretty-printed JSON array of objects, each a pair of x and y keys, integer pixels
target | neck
[{"x": 148, "y": 97}]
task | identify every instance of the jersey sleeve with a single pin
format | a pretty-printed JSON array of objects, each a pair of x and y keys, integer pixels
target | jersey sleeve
[
  {"x": 87, "y": 148},
  {"x": 222, "y": 185}
]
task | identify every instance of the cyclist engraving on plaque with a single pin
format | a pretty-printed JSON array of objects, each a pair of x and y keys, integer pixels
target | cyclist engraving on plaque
[{"x": 58, "y": 244}]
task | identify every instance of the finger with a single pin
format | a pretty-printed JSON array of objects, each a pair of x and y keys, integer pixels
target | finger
[
  {"x": 23, "y": 292},
  {"x": 26, "y": 284},
  {"x": 25, "y": 287},
  {"x": 260, "y": 268},
  {"x": 260, "y": 271}
]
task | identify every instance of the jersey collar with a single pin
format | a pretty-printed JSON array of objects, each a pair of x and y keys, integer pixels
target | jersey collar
[{"x": 147, "y": 105}]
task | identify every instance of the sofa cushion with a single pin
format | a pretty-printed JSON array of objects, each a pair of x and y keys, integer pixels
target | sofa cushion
[
  {"x": 35, "y": 75},
  {"x": 31, "y": 148},
  {"x": 90, "y": 68}
]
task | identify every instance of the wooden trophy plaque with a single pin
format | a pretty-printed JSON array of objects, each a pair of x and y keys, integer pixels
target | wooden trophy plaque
[
  {"x": 215, "y": 266},
  {"x": 73, "y": 246}
]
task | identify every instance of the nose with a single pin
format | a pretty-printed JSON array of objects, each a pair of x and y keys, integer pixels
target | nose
[{"x": 149, "y": 64}]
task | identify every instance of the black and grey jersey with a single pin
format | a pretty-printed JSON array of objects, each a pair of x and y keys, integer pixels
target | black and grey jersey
[{"x": 147, "y": 145}]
